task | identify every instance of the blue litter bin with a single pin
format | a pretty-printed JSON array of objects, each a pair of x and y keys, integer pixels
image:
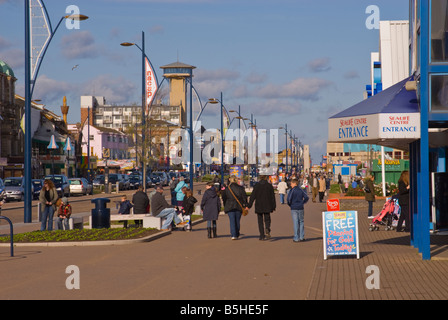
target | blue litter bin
[{"x": 100, "y": 214}]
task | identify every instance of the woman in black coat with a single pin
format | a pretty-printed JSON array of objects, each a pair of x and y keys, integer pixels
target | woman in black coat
[
  {"x": 264, "y": 197},
  {"x": 210, "y": 206},
  {"x": 403, "y": 201}
]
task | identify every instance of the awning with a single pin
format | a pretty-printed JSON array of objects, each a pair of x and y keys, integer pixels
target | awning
[{"x": 391, "y": 118}]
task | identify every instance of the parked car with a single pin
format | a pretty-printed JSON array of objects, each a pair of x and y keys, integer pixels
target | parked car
[
  {"x": 163, "y": 177},
  {"x": 134, "y": 181},
  {"x": 186, "y": 175},
  {"x": 114, "y": 178},
  {"x": 98, "y": 181},
  {"x": 14, "y": 188},
  {"x": 80, "y": 186},
  {"x": 61, "y": 183},
  {"x": 2, "y": 189},
  {"x": 126, "y": 183},
  {"x": 37, "y": 185}
]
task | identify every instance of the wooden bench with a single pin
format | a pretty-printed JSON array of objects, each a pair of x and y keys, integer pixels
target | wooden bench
[{"x": 148, "y": 220}]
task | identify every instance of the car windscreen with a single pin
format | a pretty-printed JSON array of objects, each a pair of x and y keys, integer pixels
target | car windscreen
[{"x": 13, "y": 182}]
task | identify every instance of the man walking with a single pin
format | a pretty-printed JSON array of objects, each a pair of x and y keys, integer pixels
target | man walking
[
  {"x": 296, "y": 200},
  {"x": 314, "y": 186},
  {"x": 264, "y": 197}
]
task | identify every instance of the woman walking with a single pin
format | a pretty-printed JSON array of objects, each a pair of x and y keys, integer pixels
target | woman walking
[
  {"x": 210, "y": 206},
  {"x": 235, "y": 199},
  {"x": 263, "y": 194},
  {"x": 403, "y": 201},
  {"x": 48, "y": 197},
  {"x": 370, "y": 194}
]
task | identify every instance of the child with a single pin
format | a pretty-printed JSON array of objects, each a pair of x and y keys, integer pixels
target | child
[
  {"x": 64, "y": 213},
  {"x": 211, "y": 205},
  {"x": 188, "y": 209},
  {"x": 125, "y": 208}
]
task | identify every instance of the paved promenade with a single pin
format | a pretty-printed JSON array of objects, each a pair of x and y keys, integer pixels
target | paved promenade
[{"x": 188, "y": 266}]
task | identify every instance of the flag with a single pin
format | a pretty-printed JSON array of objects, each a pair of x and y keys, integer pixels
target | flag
[{"x": 151, "y": 85}]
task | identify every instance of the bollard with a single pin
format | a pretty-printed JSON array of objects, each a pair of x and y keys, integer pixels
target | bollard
[{"x": 100, "y": 214}]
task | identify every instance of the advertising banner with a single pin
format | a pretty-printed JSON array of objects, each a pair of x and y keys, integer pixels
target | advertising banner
[{"x": 340, "y": 233}]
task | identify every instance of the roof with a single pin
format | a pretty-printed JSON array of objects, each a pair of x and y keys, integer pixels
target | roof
[
  {"x": 178, "y": 65},
  {"x": 6, "y": 69},
  {"x": 395, "y": 99}
]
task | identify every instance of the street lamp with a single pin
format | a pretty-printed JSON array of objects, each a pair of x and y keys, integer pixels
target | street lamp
[
  {"x": 144, "y": 104},
  {"x": 216, "y": 101},
  {"x": 30, "y": 82}
]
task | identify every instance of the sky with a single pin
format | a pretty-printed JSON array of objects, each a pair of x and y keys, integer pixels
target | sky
[{"x": 284, "y": 62}]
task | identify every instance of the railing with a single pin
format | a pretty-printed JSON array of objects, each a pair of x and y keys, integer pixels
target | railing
[{"x": 11, "y": 233}]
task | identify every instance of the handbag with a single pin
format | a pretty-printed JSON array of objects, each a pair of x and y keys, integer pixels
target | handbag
[{"x": 244, "y": 210}]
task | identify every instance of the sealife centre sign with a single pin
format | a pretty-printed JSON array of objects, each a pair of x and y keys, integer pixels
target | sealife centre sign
[{"x": 374, "y": 127}]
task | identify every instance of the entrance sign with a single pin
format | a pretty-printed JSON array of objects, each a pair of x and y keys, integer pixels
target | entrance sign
[{"x": 340, "y": 231}]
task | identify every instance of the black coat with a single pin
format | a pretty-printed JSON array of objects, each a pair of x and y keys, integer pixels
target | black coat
[
  {"x": 141, "y": 202},
  {"x": 230, "y": 204},
  {"x": 403, "y": 194},
  {"x": 210, "y": 205},
  {"x": 264, "y": 197},
  {"x": 188, "y": 205}
]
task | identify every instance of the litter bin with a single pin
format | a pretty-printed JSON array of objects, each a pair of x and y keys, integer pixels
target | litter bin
[{"x": 100, "y": 214}]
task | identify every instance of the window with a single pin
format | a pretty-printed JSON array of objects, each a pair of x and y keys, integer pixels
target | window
[
  {"x": 439, "y": 31},
  {"x": 439, "y": 93}
]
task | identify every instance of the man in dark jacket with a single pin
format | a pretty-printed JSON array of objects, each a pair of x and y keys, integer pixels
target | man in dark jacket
[
  {"x": 263, "y": 194},
  {"x": 296, "y": 200},
  {"x": 161, "y": 209},
  {"x": 140, "y": 201}
]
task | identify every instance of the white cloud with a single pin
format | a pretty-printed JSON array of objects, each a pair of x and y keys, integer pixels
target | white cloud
[
  {"x": 300, "y": 88},
  {"x": 116, "y": 89},
  {"x": 79, "y": 45},
  {"x": 319, "y": 65}
]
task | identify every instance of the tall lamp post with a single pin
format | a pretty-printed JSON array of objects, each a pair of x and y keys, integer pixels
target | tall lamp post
[
  {"x": 30, "y": 82},
  {"x": 144, "y": 93},
  {"x": 215, "y": 101}
]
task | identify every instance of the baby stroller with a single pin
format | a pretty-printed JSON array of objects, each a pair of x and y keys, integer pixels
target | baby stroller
[{"x": 388, "y": 216}]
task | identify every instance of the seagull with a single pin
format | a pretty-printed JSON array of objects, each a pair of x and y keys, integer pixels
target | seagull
[{"x": 75, "y": 67}]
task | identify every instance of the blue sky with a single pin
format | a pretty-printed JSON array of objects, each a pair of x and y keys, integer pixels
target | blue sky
[{"x": 284, "y": 61}]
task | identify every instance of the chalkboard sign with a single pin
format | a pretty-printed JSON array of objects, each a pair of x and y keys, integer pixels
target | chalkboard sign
[{"x": 340, "y": 230}]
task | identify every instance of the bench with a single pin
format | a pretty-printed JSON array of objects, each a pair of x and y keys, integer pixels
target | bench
[{"x": 148, "y": 220}]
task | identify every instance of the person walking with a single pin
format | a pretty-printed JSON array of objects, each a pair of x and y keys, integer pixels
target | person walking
[
  {"x": 140, "y": 201},
  {"x": 296, "y": 201},
  {"x": 403, "y": 201},
  {"x": 282, "y": 187},
  {"x": 322, "y": 188},
  {"x": 48, "y": 197},
  {"x": 264, "y": 197},
  {"x": 314, "y": 186},
  {"x": 211, "y": 206},
  {"x": 235, "y": 199},
  {"x": 370, "y": 194}
]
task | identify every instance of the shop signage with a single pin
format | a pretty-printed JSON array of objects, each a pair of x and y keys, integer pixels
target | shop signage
[{"x": 340, "y": 233}]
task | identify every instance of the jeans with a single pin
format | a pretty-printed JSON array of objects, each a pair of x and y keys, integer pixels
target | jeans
[
  {"x": 47, "y": 214},
  {"x": 298, "y": 220},
  {"x": 168, "y": 214},
  {"x": 63, "y": 224},
  {"x": 282, "y": 198},
  {"x": 370, "y": 208},
  {"x": 234, "y": 218}
]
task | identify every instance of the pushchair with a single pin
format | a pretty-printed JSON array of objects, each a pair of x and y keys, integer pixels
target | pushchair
[{"x": 388, "y": 216}]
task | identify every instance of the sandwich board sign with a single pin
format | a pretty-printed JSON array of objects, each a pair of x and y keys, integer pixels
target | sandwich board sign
[{"x": 340, "y": 233}]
